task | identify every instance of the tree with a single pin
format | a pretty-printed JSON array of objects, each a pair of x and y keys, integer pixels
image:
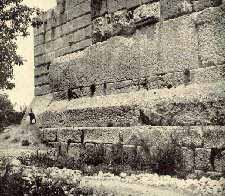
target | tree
[
  {"x": 5, "y": 104},
  {"x": 15, "y": 18}
]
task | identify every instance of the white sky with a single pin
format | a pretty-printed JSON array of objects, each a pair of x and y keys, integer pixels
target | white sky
[{"x": 23, "y": 93}]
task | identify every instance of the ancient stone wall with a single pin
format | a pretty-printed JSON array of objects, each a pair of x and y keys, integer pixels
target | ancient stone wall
[
  {"x": 119, "y": 73},
  {"x": 133, "y": 45}
]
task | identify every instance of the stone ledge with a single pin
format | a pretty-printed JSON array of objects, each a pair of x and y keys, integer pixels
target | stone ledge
[
  {"x": 139, "y": 146},
  {"x": 161, "y": 107},
  {"x": 183, "y": 136}
]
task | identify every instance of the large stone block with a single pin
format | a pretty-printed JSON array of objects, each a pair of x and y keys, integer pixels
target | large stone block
[
  {"x": 41, "y": 70},
  {"x": 69, "y": 135},
  {"x": 147, "y": 11},
  {"x": 148, "y": 135},
  {"x": 189, "y": 137},
  {"x": 44, "y": 79},
  {"x": 114, "y": 5},
  {"x": 74, "y": 150},
  {"x": 50, "y": 135},
  {"x": 102, "y": 135},
  {"x": 39, "y": 60},
  {"x": 202, "y": 4},
  {"x": 82, "y": 34},
  {"x": 219, "y": 162},
  {"x": 75, "y": 47},
  {"x": 48, "y": 35},
  {"x": 202, "y": 159},
  {"x": 214, "y": 137},
  {"x": 178, "y": 45},
  {"x": 208, "y": 74},
  {"x": 121, "y": 87},
  {"x": 118, "y": 59},
  {"x": 175, "y": 8},
  {"x": 80, "y": 9},
  {"x": 132, "y": 3},
  {"x": 188, "y": 159},
  {"x": 42, "y": 90},
  {"x": 39, "y": 39},
  {"x": 181, "y": 113},
  {"x": 76, "y": 24},
  {"x": 89, "y": 117},
  {"x": 39, "y": 50},
  {"x": 211, "y": 37},
  {"x": 72, "y": 3}
]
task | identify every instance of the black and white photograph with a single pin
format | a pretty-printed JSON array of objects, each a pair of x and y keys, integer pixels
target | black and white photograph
[{"x": 112, "y": 97}]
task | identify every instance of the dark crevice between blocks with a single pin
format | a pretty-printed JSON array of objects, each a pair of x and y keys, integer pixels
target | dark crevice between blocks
[
  {"x": 215, "y": 153},
  {"x": 92, "y": 89}
]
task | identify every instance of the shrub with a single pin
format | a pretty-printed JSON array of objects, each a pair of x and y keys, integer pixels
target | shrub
[{"x": 25, "y": 143}]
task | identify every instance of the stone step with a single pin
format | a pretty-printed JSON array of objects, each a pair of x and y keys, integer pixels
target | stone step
[
  {"x": 196, "y": 104},
  {"x": 195, "y": 147},
  {"x": 186, "y": 136}
]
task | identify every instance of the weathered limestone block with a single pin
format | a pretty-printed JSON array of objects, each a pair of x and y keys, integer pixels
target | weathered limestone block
[
  {"x": 202, "y": 4},
  {"x": 219, "y": 162},
  {"x": 90, "y": 117},
  {"x": 211, "y": 37},
  {"x": 72, "y": 3},
  {"x": 181, "y": 113},
  {"x": 74, "y": 150},
  {"x": 189, "y": 137},
  {"x": 48, "y": 36},
  {"x": 148, "y": 135},
  {"x": 214, "y": 137},
  {"x": 44, "y": 79},
  {"x": 178, "y": 45},
  {"x": 39, "y": 50},
  {"x": 75, "y": 47},
  {"x": 132, "y": 3},
  {"x": 147, "y": 11},
  {"x": 80, "y": 9},
  {"x": 202, "y": 158},
  {"x": 50, "y": 134},
  {"x": 114, "y": 60},
  {"x": 169, "y": 80},
  {"x": 39, "y": 60},
  {"x": 188, "y": 159},
  {"x": 69, "y": 135},
  {"x": 208, "y": 74},
  {"x": 109, "y": 25},
  {"x": 122, "y": 23},
  {"x": 76, "y": 24},
  {"x": 114, "y": 5},
  {"x": 82, "y": 34},
  {"x": 39, "y": 39},
  {"x": 41, "y": 70},
  {"x": 42, "y": 90},
  {"x": 163, "y": 107},
  {"x": 102, "y": 135},
  {"x": 121, "y": 87},
  {"x": 175, "y": 8}
]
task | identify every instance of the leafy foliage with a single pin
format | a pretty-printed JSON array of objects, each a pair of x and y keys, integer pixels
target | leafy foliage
[
  {"x": 15, "y": 18},
  {"x": 7, "y": 114}
]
